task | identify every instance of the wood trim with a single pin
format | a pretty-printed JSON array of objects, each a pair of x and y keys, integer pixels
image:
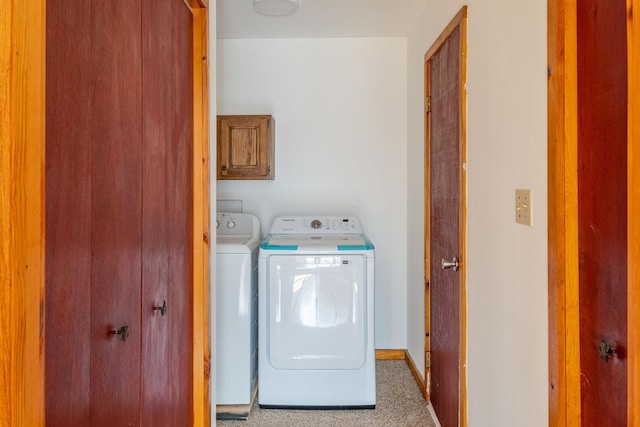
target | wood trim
[
  {"x": 427, "y": 219},
  {"x": 633, "y": 213},
  {"x": 197, "y": 4},
  {"x": 563, "y": 285},
  {"x": 22, "y": 60},
  {"x": 461, "y": 20},
  {"x": 201, "y": 344},
  {"x": 462, "y": 15},
  {"x": 416, "y": 375},
  {"x": 390, "y": 354},
  {"x": 555, "y": 93}
]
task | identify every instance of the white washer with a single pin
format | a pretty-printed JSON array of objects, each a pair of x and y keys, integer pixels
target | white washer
[
  {"x": 315, "y": 293},
  {"x": 237, "y": 239}
]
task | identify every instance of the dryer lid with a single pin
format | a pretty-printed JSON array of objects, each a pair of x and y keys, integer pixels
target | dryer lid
[{"x": 318, "y": 242}]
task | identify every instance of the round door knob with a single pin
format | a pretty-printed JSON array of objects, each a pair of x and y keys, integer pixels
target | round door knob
[{"x": 453, "y": 264}]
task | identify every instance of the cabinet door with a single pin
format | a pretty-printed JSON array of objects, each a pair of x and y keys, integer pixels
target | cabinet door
[{"x": 245, "y": 147}]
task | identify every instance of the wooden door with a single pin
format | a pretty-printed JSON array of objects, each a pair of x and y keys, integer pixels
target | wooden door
[
  {"x": 167, "y": 203},
  {"x": 602, "y": 209},
  {"x": 444, "y": 86},
  {"x": 593, "y": 210},
  {"x": 68, "y": 190},
  {"x": 25, "y": 170},
  {"x": 116, "y": 207},
  {"x": 120, "y": 193}
]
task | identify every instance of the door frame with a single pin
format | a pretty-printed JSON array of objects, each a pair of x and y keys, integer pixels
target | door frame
[
  {"x": 22, "y": 213},
  {"x": 459, "y": 19},
  {"x": 564, "y": 333}
]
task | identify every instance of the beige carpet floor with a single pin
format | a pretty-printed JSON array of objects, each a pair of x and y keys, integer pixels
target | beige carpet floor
[{"x": 398, "y": 403}]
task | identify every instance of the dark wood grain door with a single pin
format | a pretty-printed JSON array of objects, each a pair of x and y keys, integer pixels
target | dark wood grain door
[
  {"x": 444, "y": 124},
  {"x": 93, "y": 199},
  {"x": 116, "y": 212},
  {"x": 119, "y": 195},
  {"x": 167, "y": 200},
  {"x": 68, "y": 212},
  {"x": 602, "y": 206}
]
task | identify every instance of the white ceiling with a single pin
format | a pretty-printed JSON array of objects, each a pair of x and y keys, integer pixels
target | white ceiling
[{"x": 320, "y": 18}]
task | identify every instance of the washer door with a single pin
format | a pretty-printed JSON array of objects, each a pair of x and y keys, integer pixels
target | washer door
[{"x": 316, "y": 311}]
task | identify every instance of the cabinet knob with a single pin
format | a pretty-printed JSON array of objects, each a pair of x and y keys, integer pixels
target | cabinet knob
[
  {"x": 122, "y": 332},
  {"x": 606, "y": 351},
  {"x": 162, "y": 308},
  {"x": 223, "y": 168}
]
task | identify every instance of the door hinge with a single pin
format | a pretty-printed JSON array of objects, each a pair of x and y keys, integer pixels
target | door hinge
[
  {"x": 427, "y": 359},
  {"x": 427, "y": 104}
]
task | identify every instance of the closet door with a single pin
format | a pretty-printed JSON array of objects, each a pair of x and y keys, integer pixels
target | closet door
[
  {"x": 119, "y": 210},
  {"x": 167, "y": 200},
  {"x": 116, "y": 210},
  {"x": 68, "y": 214}
]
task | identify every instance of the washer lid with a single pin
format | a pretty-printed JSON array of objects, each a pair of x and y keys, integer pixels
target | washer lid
[
  {"x": 236, "y": 233},
  {"x": 317, "y": 242},
  {"x": 237, "y": 244}
]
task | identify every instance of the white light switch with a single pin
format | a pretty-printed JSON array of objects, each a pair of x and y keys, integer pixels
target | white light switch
[{"x": 523, "y": 207}]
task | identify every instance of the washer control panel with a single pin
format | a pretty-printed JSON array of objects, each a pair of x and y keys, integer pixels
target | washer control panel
[
  {"x": 316, "y": 225},
  {"x": 229, "y": 224}
]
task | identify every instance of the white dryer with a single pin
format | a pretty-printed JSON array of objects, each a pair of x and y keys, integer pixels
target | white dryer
[
  {"x": 316, "y": 295},
  {"x": 237, "y": 240}
]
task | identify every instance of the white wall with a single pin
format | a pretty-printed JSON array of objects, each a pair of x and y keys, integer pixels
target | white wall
[
  {"x": 506, "y": 149},
  {"x": 340, "y": 120}
]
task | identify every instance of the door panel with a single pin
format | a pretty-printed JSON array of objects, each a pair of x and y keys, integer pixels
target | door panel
[
  {"x": 602, "y": 193},
  {"x": 120, "y": 213},
  {"x": 116, "y": 211},
  {"x": 68, "y": 240},
  {"x": 167, "y": 193},
  {"x": 444, "y": 232}
]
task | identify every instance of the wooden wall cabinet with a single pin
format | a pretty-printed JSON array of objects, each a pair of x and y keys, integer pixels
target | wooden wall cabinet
[{"x": 246, "y": 147}]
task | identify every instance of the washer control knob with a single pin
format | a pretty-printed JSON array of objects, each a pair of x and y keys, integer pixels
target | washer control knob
[
  {"x": 315, "y": 224},
  {"x": 231, "y": 224}
]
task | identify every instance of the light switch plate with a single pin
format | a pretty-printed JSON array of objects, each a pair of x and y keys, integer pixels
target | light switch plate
[{"x": 523, "y": 207}]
